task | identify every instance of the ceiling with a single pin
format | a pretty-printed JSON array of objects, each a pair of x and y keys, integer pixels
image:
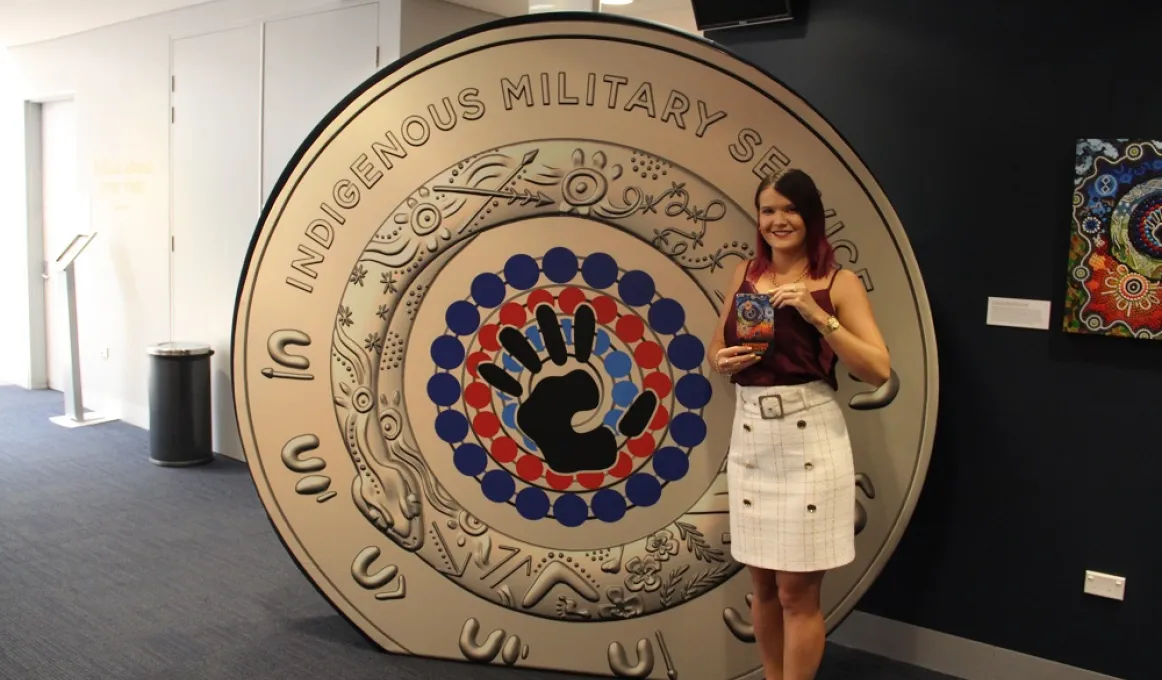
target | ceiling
[
  {"x": 676, "y": 13},
  {"x": 27, "y": 21}
]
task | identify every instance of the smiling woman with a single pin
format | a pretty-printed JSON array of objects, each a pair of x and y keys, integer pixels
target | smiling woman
[{"x": 791, "y": 481}]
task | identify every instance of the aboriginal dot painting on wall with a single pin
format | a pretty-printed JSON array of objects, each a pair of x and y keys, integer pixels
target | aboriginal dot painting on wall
[{"x": 1115, "y": 254}]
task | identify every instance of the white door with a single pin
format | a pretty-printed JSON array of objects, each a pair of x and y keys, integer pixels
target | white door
[
  {"x": 215, "y": 163},
  {"x": 64, "y": 217},
  {"x": 311, "y": 63}
]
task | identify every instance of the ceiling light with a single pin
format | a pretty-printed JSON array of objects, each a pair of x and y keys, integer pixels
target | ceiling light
[
  {"x": 616, "y": 2},
  {"x": 541, "y": 7}
]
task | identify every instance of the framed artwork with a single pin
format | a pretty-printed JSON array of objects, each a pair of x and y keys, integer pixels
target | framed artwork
[{"x": 1115, "y": 253}]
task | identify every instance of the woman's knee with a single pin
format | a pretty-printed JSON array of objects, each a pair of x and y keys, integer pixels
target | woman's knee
[
  {"x": 765, "y": 586},
  {"x": 799, "y": 593}
]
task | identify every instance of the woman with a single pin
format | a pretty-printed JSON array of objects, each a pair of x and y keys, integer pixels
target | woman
[{"x": 790, "y": 472}]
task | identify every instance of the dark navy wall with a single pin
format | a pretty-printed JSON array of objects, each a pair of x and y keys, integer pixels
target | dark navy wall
[{"x": 1048, "y": 453}]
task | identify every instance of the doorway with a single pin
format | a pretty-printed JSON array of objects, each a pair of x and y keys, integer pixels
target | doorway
[{"x": 56, "y": 214}]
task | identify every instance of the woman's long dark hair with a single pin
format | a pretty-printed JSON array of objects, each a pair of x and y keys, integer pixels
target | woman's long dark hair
[{"x": 797, "y": 187}]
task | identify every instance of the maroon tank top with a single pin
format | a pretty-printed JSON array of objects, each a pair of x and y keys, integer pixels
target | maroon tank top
[{"x": 798, "y": 355}]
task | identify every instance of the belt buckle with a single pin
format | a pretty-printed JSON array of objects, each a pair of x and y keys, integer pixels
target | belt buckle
[{"x": 771, "y": 406}]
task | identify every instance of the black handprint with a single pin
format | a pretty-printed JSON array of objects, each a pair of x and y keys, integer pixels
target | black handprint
[{"x": 546, "y": 414}]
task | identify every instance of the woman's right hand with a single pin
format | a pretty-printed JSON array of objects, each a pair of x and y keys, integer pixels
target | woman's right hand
[{"x": 732, "y": 359}]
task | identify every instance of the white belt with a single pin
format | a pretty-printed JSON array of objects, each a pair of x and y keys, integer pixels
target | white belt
[{"x": 779, "y": 401}]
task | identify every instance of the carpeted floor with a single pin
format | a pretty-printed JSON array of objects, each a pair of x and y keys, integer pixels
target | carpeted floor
[{"x": 113, "y": 568}]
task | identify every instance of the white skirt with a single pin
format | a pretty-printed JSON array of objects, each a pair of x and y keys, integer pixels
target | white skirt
[{"x": 791, "y": 479}]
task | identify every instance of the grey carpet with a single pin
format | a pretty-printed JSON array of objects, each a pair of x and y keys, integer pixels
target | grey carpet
[{"x": 111, "y": 567}]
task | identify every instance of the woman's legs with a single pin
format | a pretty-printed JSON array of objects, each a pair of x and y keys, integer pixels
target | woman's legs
[
  {"x": 805, "y": 634},
  {"x": 767, "y": 615}
]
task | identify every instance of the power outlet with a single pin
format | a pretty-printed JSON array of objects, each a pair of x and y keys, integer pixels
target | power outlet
[
  {"x": 1105, "y": 585},
  {"x": 105, "y": 353}
]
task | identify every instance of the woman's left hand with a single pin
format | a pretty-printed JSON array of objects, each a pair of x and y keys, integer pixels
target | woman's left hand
[{"x": 796, "y": 295}]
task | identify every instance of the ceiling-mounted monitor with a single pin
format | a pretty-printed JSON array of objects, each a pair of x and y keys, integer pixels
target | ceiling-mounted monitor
[{"x": 712, "y": 15}]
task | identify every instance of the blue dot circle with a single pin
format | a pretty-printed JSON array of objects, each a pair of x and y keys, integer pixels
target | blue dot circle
[
  {"x": 671, "y": 463},
  {"x": 608, "y": 505},
  {"x": 521, "y": 272},
  {"x": 509, "y": 416},
  {"x": 447, "y": 352},
  {"x": 618, "y": 364},
  {"x": 636, "y": 288},
  {"x": 603, "y": 343},
  {"x": 688, "y": 429},
  {"x": 511, "y": 364},
  {"x": 667, "y": 316},
  {"x": 451, "y": 426},
  {"x": 611, "y": 419},
  {"x": 643, "y": 490},
  {"x": 599, "y": 271},
  {"x": 488, "y": 290},
  {"x": 532, "y": 503},
  {"x": 534, "y": 335},
  {"x": 623, "y": 393},
  {"x": 560, "y": 265},
  {"x": 443, "y": 389},
  {"x": 686, "y": 352},
  {"x": 693, "y": 391},
  {"x": 498, "y": 486},
  {"x": 570, "y": 510},
  {"x": 462, "y": 317},
  {"x": 470, "y": 459}
]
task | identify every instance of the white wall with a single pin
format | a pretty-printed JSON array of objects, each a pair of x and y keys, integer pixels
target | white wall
[
  {"x": 426, "y": 21},
  {"x": 14, "y": 330},
  {"x": 120, "y": 76}
]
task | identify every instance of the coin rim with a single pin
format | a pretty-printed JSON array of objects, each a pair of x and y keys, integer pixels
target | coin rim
[{"x": 846, "y": 155}]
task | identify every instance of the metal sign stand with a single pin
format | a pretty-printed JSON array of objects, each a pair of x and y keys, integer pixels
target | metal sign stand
[{"x": 75, "y": 415}]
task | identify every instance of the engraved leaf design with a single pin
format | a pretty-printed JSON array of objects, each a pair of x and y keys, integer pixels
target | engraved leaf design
[
  {"x": 670, "y": 585},
  {"x": 696, "y": 543},
  {"x": 706, "y": 581}
]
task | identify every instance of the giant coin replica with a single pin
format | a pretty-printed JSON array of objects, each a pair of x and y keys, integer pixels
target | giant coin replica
[{"x": 470, "y": 339}]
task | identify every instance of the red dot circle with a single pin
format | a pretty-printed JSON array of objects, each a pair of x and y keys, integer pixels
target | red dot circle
[
  {"x": 477, "y": 395},
  {"x": 649, "y": 355},
  {"x": 513, "y": 314},
  {"x": 486, "y": 424},
  {"x": 538, "y": 297},
  {"x": 630, "y": 329},
  {"x": 530, "y": 468},
  {"x": 569, "y": 299},
  {"x": 474, "y": 360},
  {"x": 641, "y": 446},
  {"x": 504, "y": 450},
  {"x": 487, "y": 337},
  {"x": 661, "y": 418},
  {"x": 624, "y": 466},
  {"x": 558, "y": 482},
  {"x": 659, "y": 383},
  {"x": 591, "y": 480},
  {"x": 605, "y": 308}
]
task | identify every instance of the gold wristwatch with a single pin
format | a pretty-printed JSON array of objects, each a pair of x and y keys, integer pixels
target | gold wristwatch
[{"x": 830, "y": 325}]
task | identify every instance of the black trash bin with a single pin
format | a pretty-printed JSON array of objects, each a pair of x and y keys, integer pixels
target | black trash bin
[{"x": 180, "y": 421}]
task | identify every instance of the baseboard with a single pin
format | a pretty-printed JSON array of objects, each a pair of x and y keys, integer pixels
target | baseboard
[{"x": 943, "y": 653}]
